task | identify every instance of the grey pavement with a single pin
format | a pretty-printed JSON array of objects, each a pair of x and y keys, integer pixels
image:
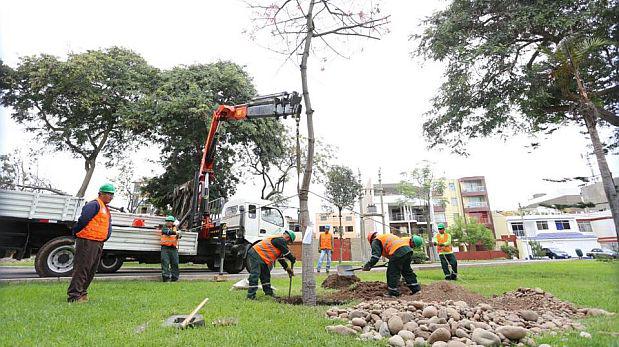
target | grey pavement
[{"x": 18, "y": 274}]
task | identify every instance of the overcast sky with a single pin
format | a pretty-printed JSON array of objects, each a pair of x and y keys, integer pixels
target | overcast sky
[{"x": 370, "y": 106}]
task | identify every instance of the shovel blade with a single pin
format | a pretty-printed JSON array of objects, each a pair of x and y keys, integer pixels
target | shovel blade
[{"x": 345, "y": 270}]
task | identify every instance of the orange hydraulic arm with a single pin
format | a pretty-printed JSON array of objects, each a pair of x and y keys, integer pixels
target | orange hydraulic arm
[{"x": 267, "y": 106}]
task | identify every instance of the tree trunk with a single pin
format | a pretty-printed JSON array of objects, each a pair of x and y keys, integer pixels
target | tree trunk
[
  {"x": 591, "y": 116},
  {"x": 341, "y": 233},
  {"x": 308, "y": 277},
  {"x": 607, "y": 178},
  {"x": 89, "y": 166}
]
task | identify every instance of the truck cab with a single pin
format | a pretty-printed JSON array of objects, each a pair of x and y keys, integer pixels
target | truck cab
[{"x": 256, "y": 219}]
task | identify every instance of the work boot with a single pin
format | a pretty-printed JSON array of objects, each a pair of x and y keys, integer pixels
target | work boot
[
  {"x": 174, "y": 279},
  {"x": 251, "y": 297},
  {"x": 318, "y": 270},
  {"x": 165, "y": 279},
  {"x": 327, "y": 270},
  {"x": 272, "y": 295},
  {"x": 448, "y": 277},
  {"x": 415, "y": 288},
  {"x": 392, "y": 294},
  {"x": 454, "y": 276}
]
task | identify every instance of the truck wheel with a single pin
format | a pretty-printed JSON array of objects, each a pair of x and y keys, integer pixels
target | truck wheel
[
  {"x": 211, "y": 265},
  {"x": 110, "y": 264},
  {"x": 234, "y": 265},
  {"x": 55, "y": 258}
]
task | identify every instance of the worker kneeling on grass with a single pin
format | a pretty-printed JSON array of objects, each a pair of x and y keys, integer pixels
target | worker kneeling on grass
[
  {"x": 400, "y": 256},
  {"x": 169, "y": 250},
  {"x": 262, "y": 257}
]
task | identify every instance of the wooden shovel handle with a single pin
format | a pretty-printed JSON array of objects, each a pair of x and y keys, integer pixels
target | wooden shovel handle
[{"x": 193, "y": 313}]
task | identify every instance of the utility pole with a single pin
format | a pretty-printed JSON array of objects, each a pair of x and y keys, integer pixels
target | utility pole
[
  {"x": 382, "y": 211},
  {"x": 524, "y": 233},
  {"x": 362, "y": 224}
]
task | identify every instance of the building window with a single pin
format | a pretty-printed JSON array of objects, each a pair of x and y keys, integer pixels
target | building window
[
  {"x": 454, "y": 201},
  {"x": 323, "y": 217},
  {"x": 518, "y": 229},
  {"x": 452, "y": 187},
  {"x": 585, "y": 227},
  {"x": 251, "y": 211},
  {"x": 348, "y": 218},
  {"x": 542, "y": 225},
  {"x": 321, "y": 228},
  {"x": 562, "y": 224},
  {"x": 440, "y": 217},
  {"x": 350, "y": 229}
]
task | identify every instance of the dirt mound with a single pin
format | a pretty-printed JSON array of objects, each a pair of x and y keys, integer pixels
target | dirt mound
[
  {"x": 337, "y": 282},
  {"x": 532, "y": 299},
  {"x": 437, "y": 291}
]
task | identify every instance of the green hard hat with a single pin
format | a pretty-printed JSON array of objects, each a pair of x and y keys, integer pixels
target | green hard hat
[
  {"x": 291, "y": 234},
  {"x": 417, "y": 240},
  {"x": 441, "y": 226},
  {"x": 107, "y": 188},
  {"x": 170, "y": 219}
]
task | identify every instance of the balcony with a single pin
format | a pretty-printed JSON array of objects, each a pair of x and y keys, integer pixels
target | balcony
[
  {"x": 474, "y": 206},
  {"x": 473, "y": 190},
  {"x": 406, "y": 217}
]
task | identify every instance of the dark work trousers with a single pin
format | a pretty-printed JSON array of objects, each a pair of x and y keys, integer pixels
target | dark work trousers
[
  {"x": 258, "y": 269},
  {"x": 446, "y": 260},
  {"x": 401, "y": 266},
  {"x": 169, "y": 263},
  {"x": 85, "y": 263}
]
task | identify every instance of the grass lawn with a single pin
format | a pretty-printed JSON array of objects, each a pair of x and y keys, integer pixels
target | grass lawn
[{"x": 37, "y": 314}]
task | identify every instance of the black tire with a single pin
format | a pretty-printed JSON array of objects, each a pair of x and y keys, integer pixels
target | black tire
[
  {"x": 55, "y": 258},
  {"x": 211, "y": 265},
  {"x": 110, "y": 264},
  {"x": 234, "y": 265},
  {"x": 246, "y": 261}
]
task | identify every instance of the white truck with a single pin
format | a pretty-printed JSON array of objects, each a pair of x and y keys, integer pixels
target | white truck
[{"x": 40, "y": 223}]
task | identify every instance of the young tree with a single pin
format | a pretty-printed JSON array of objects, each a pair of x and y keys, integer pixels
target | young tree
[
  {"x": 276, "y": 169},
  {"x": 421, "y": 184},
  {"x": 531, "y": 67},
  {"x": 342, "y": 188},
  {"x": 306, "y": 27},
  {"x": 85, "y": 105},
  {"x": 471, "y": 234}
]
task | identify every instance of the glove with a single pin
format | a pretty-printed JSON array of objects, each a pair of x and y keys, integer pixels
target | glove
[
  {"x": 366, "y": 267},
  {"x": 290, "y": 272}
]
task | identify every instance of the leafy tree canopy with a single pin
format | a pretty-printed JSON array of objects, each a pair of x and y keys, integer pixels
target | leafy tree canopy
[
  {"x": 471, "y": 234},
  {"x": 342, "y": 186}
]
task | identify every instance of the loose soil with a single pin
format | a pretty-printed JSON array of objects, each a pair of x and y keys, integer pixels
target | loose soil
[
  {"x": 437, "y": 291},
  {"x": 321, "y": 301},
  {"x": 339, "y": 282}
]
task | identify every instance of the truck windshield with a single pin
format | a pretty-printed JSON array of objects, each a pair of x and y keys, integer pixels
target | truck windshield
[{"x": 272, "y": 215}]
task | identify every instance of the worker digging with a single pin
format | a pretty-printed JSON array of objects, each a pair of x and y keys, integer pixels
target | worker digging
[
  {"x": 262, "y": 257},
  {"x": 400, "y": 255}
]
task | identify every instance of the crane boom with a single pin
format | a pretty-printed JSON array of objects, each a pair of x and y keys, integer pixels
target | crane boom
[{"x": 266, "y": 106}]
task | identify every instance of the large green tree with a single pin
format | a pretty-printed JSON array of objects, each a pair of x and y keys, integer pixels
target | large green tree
[
  {"x": 527, "y": 66},
  {"x": 180, "y": 112},
  {"x": 85, "y": 105}
]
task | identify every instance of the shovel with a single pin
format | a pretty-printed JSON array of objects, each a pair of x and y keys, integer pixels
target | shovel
[
  {"x": 348, "y": 270},
  {"x": 290, "y": 284}
]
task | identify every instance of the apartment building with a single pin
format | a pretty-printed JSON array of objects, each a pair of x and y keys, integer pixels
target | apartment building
[
  {"x": 465, "y": 197},
  {"x": 349, "y": 224}
]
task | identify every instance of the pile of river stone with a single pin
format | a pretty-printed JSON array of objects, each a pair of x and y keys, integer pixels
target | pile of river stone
[{"x": 453, "y": 323}]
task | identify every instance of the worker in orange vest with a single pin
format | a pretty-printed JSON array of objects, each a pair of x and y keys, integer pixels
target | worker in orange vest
[
  {"x": 262, "y": 257},
  {"x": 92, "y": 229},
  {"x": 445, "y": 252},
  {"x": 169, "y": 250},
  {"x": 325, "y": 248},
  {"x": 400, "y": 256}
]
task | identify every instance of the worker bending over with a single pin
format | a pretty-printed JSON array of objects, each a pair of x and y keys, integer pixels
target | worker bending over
[
  {"x": 262, "y": 257},
  {"x": 400, "y": 255}
]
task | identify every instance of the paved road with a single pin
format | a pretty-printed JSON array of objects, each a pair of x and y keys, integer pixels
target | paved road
[{"x": 16, "y": 274}]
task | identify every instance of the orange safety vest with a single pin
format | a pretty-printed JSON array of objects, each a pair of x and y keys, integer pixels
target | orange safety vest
[
  {"x": 267, "y": 251},
  {"x": 391, "y": 243},
  {"x": 169, "y": 240},
  {"x": 325, "y": 241},
  {"x": 97, "y": 228},
  {"x": 443, "y": 238}
]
